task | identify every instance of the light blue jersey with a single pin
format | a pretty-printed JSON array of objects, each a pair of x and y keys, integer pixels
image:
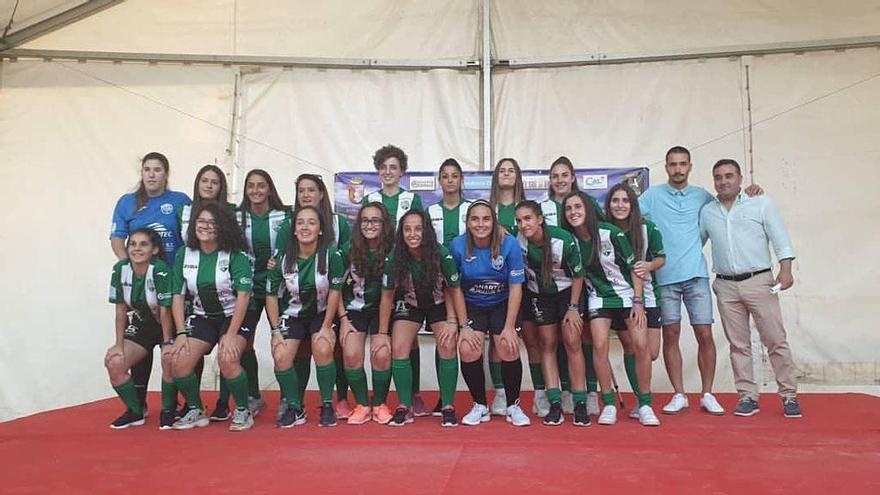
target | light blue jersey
[
  {"x": 158, "y": 214},
  {"x": 486, "y": 281}
]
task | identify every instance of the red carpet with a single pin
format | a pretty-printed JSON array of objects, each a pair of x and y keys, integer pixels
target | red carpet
[{"x": 835, "y": 447}]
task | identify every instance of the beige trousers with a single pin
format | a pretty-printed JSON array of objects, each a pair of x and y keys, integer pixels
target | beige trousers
[{"x": 736, "y": 302}]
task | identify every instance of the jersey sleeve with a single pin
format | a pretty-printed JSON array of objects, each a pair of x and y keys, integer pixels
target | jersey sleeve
[
  {"x": 344, "y": 230},
  {"x": 177, "y": 283},
  {"x": 515, "y": 262},
  {"x": 572, "y": 256},
  {"x": 387, "y": 275},
  {"x": 449, "y": 269},
  {"x": 119, "y": 228},
  {"x": 115, "y": 293},
  {"x": 338, "y": 270},
  {"x": 275, "y": 277},
  {"x": 654, "y": 241},
  {"x": 623, "y": 251},
  {"x": 241, "y": 272},
  {"x": 162, "y": 279}
]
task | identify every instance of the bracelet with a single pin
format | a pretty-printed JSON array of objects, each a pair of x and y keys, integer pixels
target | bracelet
[
  {"x": 574, "y": 307},
  {"x": 185, "y": 331},
  {"x": 344, "y": 315},
  {"x": 170, "y": 341},
  {"x": 637, "y": 302},
  {"x": 380, "y": 332},
  {"x": 452, "y": 321},
  {"x": 277, "y": 331}
]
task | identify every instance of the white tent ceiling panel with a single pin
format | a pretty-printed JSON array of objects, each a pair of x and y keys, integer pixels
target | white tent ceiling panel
[
  {"x": 413, "y": 29},
  {"x": 30, "y": 12},
  {"x": 554, "y": 28},
  {"x": 75, "y": 142}
]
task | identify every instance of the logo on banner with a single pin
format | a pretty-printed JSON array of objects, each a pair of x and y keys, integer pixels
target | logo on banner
[
  {"x": 356, "y": 190},
  {"x": 596, "y": 181},
  {"x": 422, "y": 183},
  {"x": 535, "y": 182}
]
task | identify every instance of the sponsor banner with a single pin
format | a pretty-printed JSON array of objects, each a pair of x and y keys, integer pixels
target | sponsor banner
[{"x": 349, "y": 188}]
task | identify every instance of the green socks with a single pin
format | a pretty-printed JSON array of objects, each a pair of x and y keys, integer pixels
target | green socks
[
  {"x": 357, "y": 378},
  {"x": 303, "y": 368},
  {"x": 169, "y": 396},
  {"x": 249, "y": 363},
  {"x": 495, "y": 373},
  {"x": 189, "y": 387},
  {"x": 415, "y": 358},
  {"x": 562, "y": 363},
  {"x": 326, "y": 380},
  {"x": 401, "y": 370},
  {"x": 129, "y": 396},
  {"x": 579, "y": 396},
  {"x": 224, "y": 391},
  {"x": 290, "y": 390},
  {"x": 645, "y": 399},
  {"x": 629, "y": 363},
  {"x": 448, "y": 380},
  {"x": 554, "y": 395},
  {"x": 608, "y": 398},
  {"x": 381, "y": 384},
  {"x": 592, "y": 380},
  {"x": 537, "y": 376},
  {"x": 238, "y": 386}
]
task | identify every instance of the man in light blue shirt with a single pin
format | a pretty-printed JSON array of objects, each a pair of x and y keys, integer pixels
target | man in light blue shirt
[
  {"x": 740, "y": 229},
  {"x": 675, "y": 208}
]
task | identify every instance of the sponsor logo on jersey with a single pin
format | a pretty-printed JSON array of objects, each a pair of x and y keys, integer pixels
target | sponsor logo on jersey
[
  {"x": 517, "y": 273},
  {"x": 337, "y": 280},
  {"x": 188, "y": 266},
  {"x": 162, "y": 274},
  {"x": 245, "y": 280},
  {"x": 161, "y": 230},
  {"x": 498, "y": 262},
  {"x": 454, "y": 277},
  {"x": 166, "y": 208},
  {"x": 486, "y": 288},
  {"x": 164, "y": 295}
]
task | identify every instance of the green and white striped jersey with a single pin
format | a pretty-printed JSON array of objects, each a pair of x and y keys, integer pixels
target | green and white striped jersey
[
  {"x": 304, "y": 291},
  {"x": 652, "y": 248},
  {"x": 449, "y": 223},
  {"x": 507, "y": 217},
  {"x": 341, "y": 230},
  {"x": 361, "y": 293},
  {"x": 212, "y": 280},
  {"x": 184, "y": 215},
  {"x": 609, "y": 278},
  {"x": 566, "y": 261},
  {"x": 554, "y": 214},
  {"x": 396, "y": 205},
  {"x": 266, "y": 235},
  {"x": 422, "y": 298},
  {"x": 141, "y": 294}
]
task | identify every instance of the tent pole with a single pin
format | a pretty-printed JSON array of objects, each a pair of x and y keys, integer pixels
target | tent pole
[{"x": 486, "y": 71}]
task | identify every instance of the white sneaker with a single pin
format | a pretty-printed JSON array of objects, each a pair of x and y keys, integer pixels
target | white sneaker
[
  {"x": 242, "y": 419},
  {"x": 593, "y": 403},
  {"x": 678, "y": 403},
  {"x": 608, "y": 416},
  {"x": 478, "y": 414},
  {"x": 710, "y": 405},
  {"x": 516, "y": 416},
  {"x": 499, "y": 404},
  {"x": 541, "y": 405},
  {"x": 192, "y": 418},
  {"x": 256, "y": 405},
  {"x": 647, "y": 417},
  {"x": 567, "y": 403},
  {"x": 634, "y": 412}
]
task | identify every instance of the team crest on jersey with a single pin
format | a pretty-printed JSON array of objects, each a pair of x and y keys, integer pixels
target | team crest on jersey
[
  {"x": 607, "y": 249},
  {"x": 405, "y": 204},
  {"x": 223, "y": 265},
  {"x": 454, "y": 277},
  {"x": 498, "y": 262},
  {"x": 166, "y": 208},
  {"x": 150, "y": 285}
]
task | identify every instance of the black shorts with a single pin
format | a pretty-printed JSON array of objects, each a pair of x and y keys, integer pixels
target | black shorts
[
  {"x": 618, "y": 317},
  {"x": 365, "y": 322},
  {"x": 548, "y": 309},
  {"x": 405, "y": 312},
  {"x": 490, "y": 320},
  {"x": 211, "y": 329},
  {"x": 145, "y": 333},
  {"x": 300, "y": 328}
]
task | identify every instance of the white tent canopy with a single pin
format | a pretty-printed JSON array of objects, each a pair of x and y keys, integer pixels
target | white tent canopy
[{"x": 296, "y": 86}]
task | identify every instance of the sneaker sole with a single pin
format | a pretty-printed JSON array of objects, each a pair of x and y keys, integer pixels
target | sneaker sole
[
  {"x": 291, "y": 425},
  {"x": 580, "y": 424},
  {"x": 650, "y": 424},
  {"x": 199, "y": 424},
  {"x": 352, "y": 421},
  {"x": 382, "y": 422},
  {"x": 552, "y": 423},
  {"x": 673, "y": 413},
  {"x": 126, "y": 425},
  {"x": 529, "y": 423},
  {"x": 220, "y": 419},
  {"x": 793, "y": 416},
  {"x": 713, "y": 413},
  {"x": 329, "y": 425},
  {"x": 448, "y": 425},
  {"x": 241, "y": 428},
  {"x": 399, "y": 424},
  {"x": 166, "y": 427},
  {"x": 483, "y": 419},
  {"x": 607, "y": 422},
  {"x": 746, "y": 415}
]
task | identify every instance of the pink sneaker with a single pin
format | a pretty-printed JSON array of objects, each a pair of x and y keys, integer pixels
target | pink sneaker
[
  {"x": 382, "y": 414},
  {"x": 418, "y": 406},
  {"x": 360, "y": 415},
  {"x": 342, "y": 409}
]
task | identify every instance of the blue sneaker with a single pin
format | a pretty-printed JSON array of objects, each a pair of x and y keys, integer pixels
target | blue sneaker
[
  {"x": 791, "y": 407},
  {"x": 746, "y": 407}
]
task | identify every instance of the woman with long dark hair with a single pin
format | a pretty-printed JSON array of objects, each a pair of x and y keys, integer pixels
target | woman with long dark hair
[
  {"x": 491, "y": 267},
  {"x": 371, "y": 242},
  {"x": 140, "y": 287},
  {"x": 421, "y": 286},
  {"x": 615, "y": 293},
  {"x": 553, "y": 302},
  {"x": 155, "y": 206},
  {"x": 214, "y": 270},
  {"x": 622, "y": 205},
  {"x": 302, "y": 295}
]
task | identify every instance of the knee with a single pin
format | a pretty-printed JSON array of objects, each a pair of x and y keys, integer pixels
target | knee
[
  {"x": 352, "y": 358},
  {"x": 229, "y": 366},
  {"x": 322, "y": 350},
  {"x": 115, "y": 365},
  {"x": 448, "y": 349},
  {"x": 381, "y": 359},
  {"x": 704, "y": 338},
  {"x": 468, "y": 355}
]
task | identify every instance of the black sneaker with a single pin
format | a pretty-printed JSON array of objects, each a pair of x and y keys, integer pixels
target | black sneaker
[
  {"x": 166, "y": 419},
  {"x": 328, "y": 415},
  {"x": 291, "y": 417},
  {"x": 221, "y": 411},
  {"x": 791, "y": 407},
  {"x": 438, "y": 409},
  {"x": 402, "y": 416},
  {"x": 581, "y": 418},
  {"x": 746, "y": 407},
  {"x": 449, "y": 420},
  {"x": 554, "y": 417},
  {"x": 127, "y": 419}
]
